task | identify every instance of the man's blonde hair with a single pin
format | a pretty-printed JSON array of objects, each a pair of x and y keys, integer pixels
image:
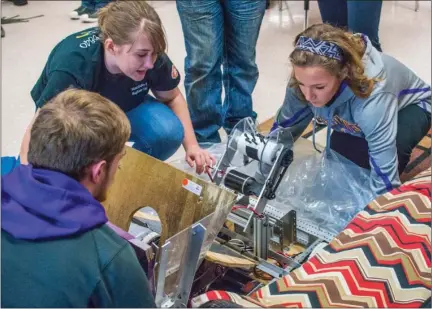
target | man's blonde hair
[
  {"x": 122, "y": 20},
  {"x": 75, "y": 129},
  {"x": 351, "y": 68}
]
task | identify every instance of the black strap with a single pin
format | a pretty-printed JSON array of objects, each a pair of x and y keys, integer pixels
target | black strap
[{"x": 14, "y": 19}]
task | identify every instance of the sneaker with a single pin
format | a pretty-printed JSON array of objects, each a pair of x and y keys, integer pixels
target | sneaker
[
  {"x": 79, "y": 12},
  {"x": 89, "y": 18},
  {"x": 20, "y": 2}
]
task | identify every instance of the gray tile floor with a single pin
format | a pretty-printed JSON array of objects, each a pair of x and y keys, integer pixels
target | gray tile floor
[{"x": 404, "y": 33}]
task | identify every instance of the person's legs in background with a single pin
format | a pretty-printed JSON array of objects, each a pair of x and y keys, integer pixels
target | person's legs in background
[
  {"x": 92, "y": 18},
  {"x": 202, "y": 23},
  {"x": 156, "y": 130},
  {"x": 20, "y": 2},
  {"x": 413, "y": 124},
  {"x": 334, "y": 12},
  {"x": 87, "y": 12},
  {"x": 86, "y": 8},
  {"x": 240, "y": 73},
  {"x": 364, "y": 17}
]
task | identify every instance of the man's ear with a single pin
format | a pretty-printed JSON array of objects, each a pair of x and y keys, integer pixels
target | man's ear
[
  {"x": 25, "y": 143},
  {"x": 97, "y": 171}
]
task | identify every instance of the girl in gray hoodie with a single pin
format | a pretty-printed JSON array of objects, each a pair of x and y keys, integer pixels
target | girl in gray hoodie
[{"x": 376, "y": 107}]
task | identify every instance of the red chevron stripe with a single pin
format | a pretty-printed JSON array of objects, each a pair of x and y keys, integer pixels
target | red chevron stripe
[
  {"x": 353, "y": 282},
  {"x": 412, "y": 213},
  {"x": 212, "y": 295},
  {"x": 395, "y": 229},
  {"x": 313, "y": 287},
  {"x": 422, "y": 188},
  {"x": 224, "y": 295},
  {"x": 259, "y": 293},
  {"x": 288, "y": 305},
  {"x": 369, "y": 224},
  {"x": 393, "y": 234},
  {"x": 358, "y": 281},
  {"x": 397, "y": 261}
]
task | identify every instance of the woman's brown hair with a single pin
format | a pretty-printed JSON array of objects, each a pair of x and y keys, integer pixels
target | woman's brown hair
[
  {"x": 351, "y": 68},
  {"x": 120, "y": 20}
]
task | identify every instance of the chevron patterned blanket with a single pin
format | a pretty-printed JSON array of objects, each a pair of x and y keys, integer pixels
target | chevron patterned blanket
[{"x": 382, "y": 259}]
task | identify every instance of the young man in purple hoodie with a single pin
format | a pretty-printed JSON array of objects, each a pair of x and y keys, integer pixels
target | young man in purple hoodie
[{"x": 57, "y": 250}]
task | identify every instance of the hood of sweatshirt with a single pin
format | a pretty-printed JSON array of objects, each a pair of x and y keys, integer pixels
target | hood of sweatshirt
[{"x": 39, "y": 204}]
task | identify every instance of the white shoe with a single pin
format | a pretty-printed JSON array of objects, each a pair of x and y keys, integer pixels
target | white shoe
[
  {"x": 89, "y": 18},
  {"x": 76, "y": 14}
]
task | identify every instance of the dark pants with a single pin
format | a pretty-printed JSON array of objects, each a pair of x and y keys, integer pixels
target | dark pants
[
  {"x": 413, "y": 124},
  {"x": 358, "y": 16},
  {"x": 94, "y": 4}
]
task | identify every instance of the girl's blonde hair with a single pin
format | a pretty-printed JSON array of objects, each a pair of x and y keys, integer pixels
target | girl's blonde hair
[
  {"x": 121, "y": 20},
  {"x": 351, "y": 68}
]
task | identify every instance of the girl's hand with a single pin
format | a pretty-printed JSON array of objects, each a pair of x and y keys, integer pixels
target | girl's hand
[{"x": 195, "y": 154}]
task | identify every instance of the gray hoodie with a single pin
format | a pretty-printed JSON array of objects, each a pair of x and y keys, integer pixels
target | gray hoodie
[{"x": 373, "y": 118}]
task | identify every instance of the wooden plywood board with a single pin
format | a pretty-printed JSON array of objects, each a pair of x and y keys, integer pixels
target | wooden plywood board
[
  {"x": 229, "y": 261},
  {"x": 145, "y": 181}
]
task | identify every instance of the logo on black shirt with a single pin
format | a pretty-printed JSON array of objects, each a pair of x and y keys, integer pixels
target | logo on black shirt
[{"x": 140, "y": 88}]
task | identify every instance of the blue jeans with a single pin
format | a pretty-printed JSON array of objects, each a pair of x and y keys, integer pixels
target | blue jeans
[
  {"x": 358, "y": 16},
  {"x": 220, "y": 33},
  {"x": 94, "y": 4},
  {"x": 156, "y": 130}
]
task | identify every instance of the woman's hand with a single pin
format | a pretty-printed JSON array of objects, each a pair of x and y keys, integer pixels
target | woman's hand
[{"x": 200, "y": 156}]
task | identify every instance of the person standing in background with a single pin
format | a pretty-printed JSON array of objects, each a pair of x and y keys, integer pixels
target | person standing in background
[
  {"x": 87, "y": 12},
  {"x": 358, "y": 16},
  {"x": 19, "y": 2},
  {"x": 220, "y": 39}
]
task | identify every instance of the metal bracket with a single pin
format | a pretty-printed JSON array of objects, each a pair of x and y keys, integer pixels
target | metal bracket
[
  {"x": 271, "y": 269},
  {"x": 289, "y": 228},
  {"x": 302, "y": 256},
  {"x": 181, "y": 297},
  {"x": 163, "y": 263},
  {"x": 190, "y": 267},
  {"x": 261, "y": 233}
]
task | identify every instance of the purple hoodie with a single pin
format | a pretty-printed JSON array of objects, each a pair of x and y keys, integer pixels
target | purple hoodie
[{"x": 40, "y": 204}]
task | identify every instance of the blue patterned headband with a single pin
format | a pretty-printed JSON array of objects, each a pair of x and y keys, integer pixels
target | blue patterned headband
[{"x": 321, "y": 48}]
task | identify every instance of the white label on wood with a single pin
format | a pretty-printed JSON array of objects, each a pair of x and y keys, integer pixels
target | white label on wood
[{"x": 192, "y": 186}]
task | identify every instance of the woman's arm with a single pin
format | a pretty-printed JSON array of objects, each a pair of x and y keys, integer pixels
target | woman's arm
[
  {"x": 175, "y": 100},
  {"x": 293, "y": 114},
  {"x": 377, "y": 118}
]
